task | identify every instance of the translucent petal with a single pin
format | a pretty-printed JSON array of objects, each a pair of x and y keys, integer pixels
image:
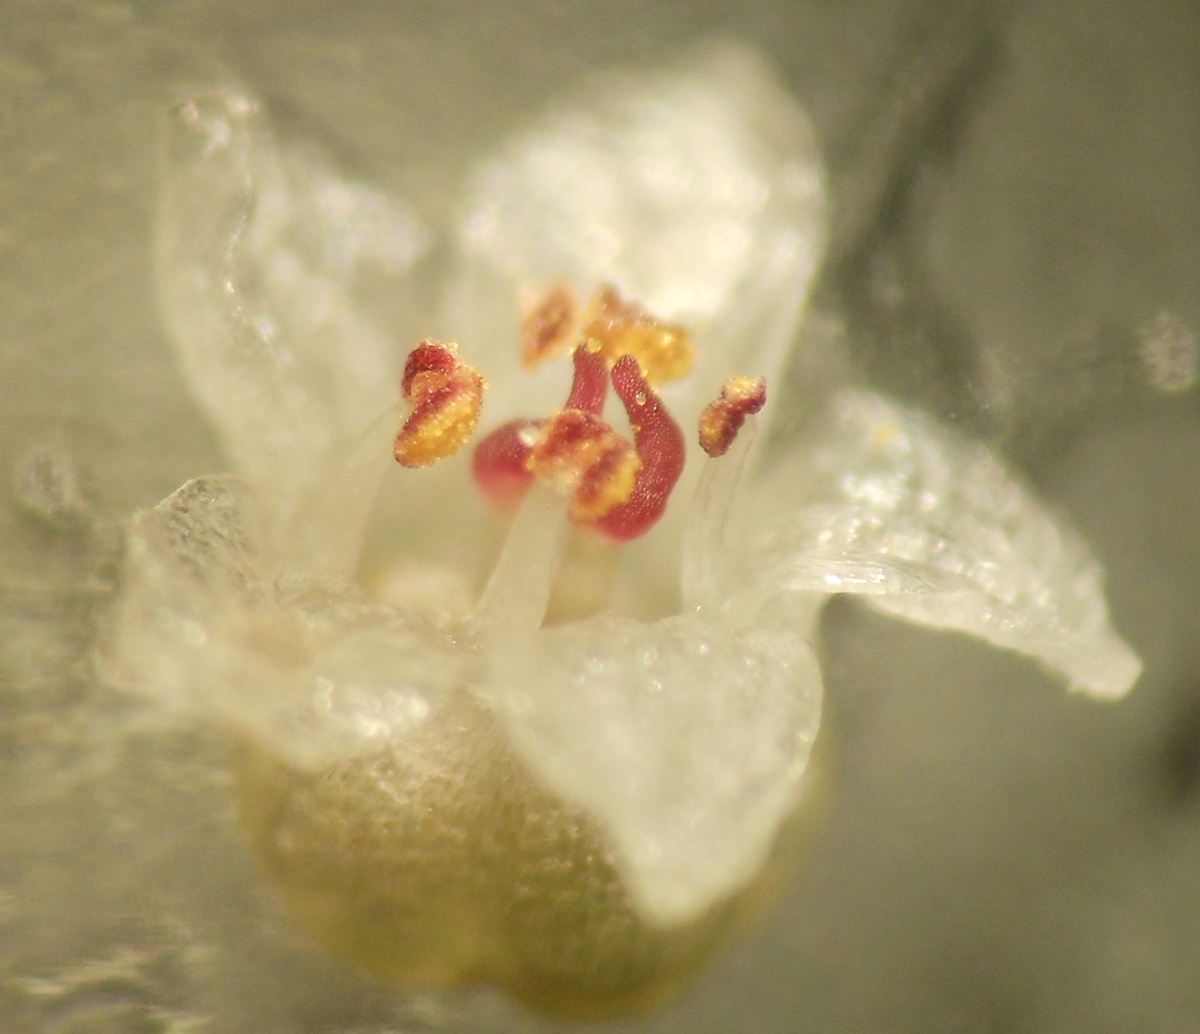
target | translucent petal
[
  {"x": 930, "y": 527},
  {"x": 687, "y": 740},
  {"x": 697, "y": 191},
  {"x": 258, "y": 248},
  {"x": 311, "y": 671}
]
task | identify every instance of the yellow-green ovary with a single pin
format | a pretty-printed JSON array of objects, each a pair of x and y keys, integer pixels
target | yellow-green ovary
[{"x": 443, "y": 862}]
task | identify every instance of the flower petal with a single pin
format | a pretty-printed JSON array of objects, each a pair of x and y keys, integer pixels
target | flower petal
[
  {"x": 686, "y": 739},
  {"x": 310, "y": 670},
  {"x": 697, "y": 191},
  {"x": 258, "y": 250},
  {"x": 928, "y": 526}
]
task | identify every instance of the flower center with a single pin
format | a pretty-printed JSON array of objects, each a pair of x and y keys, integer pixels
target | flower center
[{"x": 615, "y": 488}]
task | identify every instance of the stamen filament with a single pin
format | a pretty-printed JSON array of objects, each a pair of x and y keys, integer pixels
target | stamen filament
[
  {"x": 518, "y": 591},
  {"x": 704, "y": 544},
  {"x": 343, "y": 499}
]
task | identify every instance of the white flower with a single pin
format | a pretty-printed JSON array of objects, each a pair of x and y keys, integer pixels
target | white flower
[{"x": 678, "y": 713}]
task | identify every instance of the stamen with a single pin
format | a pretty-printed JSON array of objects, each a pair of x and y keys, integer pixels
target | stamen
[
  {"x": 664, "y": 351},
  {"x": 618, "y": 489},
  {"x": 343, "y": 500},
  {"x": 446, "y": 395},
  {"x": 549, "y": 325},
  {"x": 660, "y": 447},
  {"x": 723, "y": 418},
  {"x": 583, "y": 457},
  {"x": 501, "y": 461}
]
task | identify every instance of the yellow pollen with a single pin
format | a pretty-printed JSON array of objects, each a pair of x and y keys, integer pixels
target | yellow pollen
[
  {"x": 741, "y": 389},
  {"x": 583, "y": 457},
  {"x": 723, "y": 417},
  {"x": 614, "y": 327},
  {"x": 446, "y": 395}
]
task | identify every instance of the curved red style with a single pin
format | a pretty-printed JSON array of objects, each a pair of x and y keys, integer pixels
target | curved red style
[{"x": 660, "y": 446}]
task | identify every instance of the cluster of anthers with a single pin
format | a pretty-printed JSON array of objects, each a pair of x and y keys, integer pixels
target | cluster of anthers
[{"x": 616, "y": 487}]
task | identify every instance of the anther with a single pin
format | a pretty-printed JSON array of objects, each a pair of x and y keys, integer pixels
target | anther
[
  {"x": 446, "y": 395},
  {"x": 722, "y": 418},
  {"x": 587, "y": 460},
  {"x": 549, "y": 325},
  {"x": 617, "y": 488},
  {"x": 664, "y": 351},
  {"x": 501, "y": 463}
]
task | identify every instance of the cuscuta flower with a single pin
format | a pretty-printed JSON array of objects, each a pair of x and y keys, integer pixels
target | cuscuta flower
[
  {"x": 445, "y": 785},
  {"x": 531, "y": 898}
]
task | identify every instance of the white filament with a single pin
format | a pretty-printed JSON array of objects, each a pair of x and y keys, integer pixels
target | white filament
[
  {"x": 518, "y": 592},
  {"x": 704, "y": 543},
  {"x": 343, "y": 500}
]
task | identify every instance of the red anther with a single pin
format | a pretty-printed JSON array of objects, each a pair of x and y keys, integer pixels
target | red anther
[
  {"x": 501, "y": 462},
  {"x": 586, "y": 460},
  {"x": 446, "y": 396},
  {"x": 549, "y": 324},
  {"x": 589, "y": 389},
  {"x": 722, "y": 418},
  {"x": 660, "y": 446},
  {"x": 618, "y": 489}
]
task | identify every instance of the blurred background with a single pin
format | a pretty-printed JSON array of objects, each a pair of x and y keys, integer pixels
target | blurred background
[{"x": 1016, "y": 191}]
